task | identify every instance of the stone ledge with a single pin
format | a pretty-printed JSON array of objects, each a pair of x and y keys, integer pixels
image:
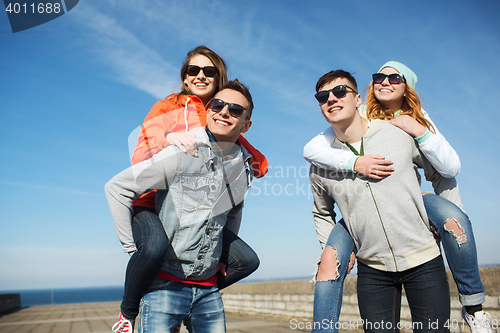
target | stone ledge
[
  {"x": 9, "y": 303},
  {"x": 489, "y": 275},
  {"x": 294, "y": 299}
]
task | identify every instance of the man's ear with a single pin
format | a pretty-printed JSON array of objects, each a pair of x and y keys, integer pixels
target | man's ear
[
  {"x": 358, "y": 101},
  {"x": 248, "y": 124}
]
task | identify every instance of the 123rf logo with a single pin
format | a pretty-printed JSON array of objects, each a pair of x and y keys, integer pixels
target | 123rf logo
[{"x": 28, "y": 14}]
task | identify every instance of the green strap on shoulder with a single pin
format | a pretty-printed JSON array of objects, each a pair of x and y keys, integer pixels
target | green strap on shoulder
[{"x": 361, "y": 153}]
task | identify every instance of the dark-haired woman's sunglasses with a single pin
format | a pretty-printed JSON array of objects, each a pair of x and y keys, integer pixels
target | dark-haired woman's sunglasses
[
  {"x": 209, "y": 71},
  {"x": 337, "y": 91},
  {"x": 235, "y": 110},
  {"x": 378, "y": 78}
]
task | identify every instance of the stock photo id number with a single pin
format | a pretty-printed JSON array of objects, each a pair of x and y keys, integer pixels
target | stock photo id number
[{"x": 24, "y": 15}]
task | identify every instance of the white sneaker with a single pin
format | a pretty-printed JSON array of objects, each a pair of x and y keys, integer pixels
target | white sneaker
[{"x": 479, "y": 323}]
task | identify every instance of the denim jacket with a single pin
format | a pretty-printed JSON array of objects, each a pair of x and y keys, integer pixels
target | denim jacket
[{"x": 196, "y": 199}]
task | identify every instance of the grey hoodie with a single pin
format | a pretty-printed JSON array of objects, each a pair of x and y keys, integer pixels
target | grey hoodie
[{"x": 386, "y": 218}]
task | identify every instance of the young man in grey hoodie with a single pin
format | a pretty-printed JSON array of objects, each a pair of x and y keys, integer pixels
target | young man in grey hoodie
[
  {"x": 197, "y": 196},
  {"x": 385, "y": 221}
]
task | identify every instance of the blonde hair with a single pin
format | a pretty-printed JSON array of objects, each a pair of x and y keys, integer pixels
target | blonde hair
[{"x": 411, "y": 106}]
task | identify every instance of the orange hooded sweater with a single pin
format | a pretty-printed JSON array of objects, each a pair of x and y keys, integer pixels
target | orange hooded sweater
[{"x": 169, "y": 116}]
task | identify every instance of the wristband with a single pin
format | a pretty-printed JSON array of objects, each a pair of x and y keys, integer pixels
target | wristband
[
  {"x": 351, "y": 163},
  {"x": 424, "y": 137}
]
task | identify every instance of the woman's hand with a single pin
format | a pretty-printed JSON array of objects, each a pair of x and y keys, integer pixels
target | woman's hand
[
  {"x": 373, "y": 166},
  {"x": 184, "y": 141},
  {"x": 409, "y": 125}
]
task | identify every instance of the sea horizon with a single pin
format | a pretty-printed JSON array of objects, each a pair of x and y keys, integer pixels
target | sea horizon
[{"x": 48, "y": 296}]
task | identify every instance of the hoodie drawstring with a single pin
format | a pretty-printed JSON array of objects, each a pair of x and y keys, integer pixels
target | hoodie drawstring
[{"x": 185, "y": 114}]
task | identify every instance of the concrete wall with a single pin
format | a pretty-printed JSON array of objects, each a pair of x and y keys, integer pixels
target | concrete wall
[
  {"x": 9, "y": 302},
  {"x": 293, "y": 300}
]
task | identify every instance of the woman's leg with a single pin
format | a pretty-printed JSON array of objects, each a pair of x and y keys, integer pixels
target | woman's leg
[
  {"x": 152, "y": 243},
  {"x": 329, "y": 286},
  {"x": 240, "y": 259},
  {"x": 379, "y": 299},
  {"x": 455, "y": 230},
  {"x": 428, "y": 295}
]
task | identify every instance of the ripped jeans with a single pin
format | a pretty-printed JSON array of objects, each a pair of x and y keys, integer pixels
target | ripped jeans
[
  {"x": 459, "y": 246},
  {"x": 457, "y": 237},
  {"x": 328, "y": 294}
]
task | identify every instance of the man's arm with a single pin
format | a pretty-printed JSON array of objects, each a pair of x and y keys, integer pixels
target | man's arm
[
  {"x": 324, "y": 215},
  {"x": 131, "y": 183},
  {"x": 233, "y": 221},
  {"x": 444, "y": 187}
]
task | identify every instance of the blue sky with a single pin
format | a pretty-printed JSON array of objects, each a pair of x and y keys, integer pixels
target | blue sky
[{"x": 73, "y": 89}]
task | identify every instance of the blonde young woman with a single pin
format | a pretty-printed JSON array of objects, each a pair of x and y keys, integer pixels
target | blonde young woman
[{"x": 392, "y": 96}]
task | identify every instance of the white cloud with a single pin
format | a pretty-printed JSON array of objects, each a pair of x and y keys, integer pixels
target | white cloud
[
  {"x": 249, "y": 45},
  {"x": 133, "y": 62}
]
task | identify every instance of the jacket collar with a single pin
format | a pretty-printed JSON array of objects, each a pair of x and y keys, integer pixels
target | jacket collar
[
  {"x": 207, "y": 138},
  {"x": 212, "y": 140}
]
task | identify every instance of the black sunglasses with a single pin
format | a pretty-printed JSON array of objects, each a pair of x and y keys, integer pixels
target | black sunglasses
[
  {"x": 337, "y": 91},
  {"x": 378, "y": 78},
  {"x": 209, "y": 71},
  {"x": 235, "y": 110}
]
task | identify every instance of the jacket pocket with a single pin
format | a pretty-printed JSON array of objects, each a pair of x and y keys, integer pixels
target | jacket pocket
[{"x": 195, "y": 190}]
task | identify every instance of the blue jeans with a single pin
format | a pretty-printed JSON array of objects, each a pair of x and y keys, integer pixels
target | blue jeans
[
  {"x": 328, "y": 294},
  {"x": 462, "y": 259},
  {"x": 168, "y": 303},
  {"x": 152, "y": 244},
  {"x": 240, "y": 258},
  {"x": 427, "y": 291},
  {"x": 460, "y": 251}
]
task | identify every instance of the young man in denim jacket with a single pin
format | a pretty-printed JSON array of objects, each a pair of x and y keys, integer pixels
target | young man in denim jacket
[{"x": 197, "y": 197}]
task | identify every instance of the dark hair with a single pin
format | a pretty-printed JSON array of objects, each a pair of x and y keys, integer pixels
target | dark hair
[
  {"x": 333, "y": 75},
  {"x": 219, "y": 64},
  {"x": 241, "y": 88}
]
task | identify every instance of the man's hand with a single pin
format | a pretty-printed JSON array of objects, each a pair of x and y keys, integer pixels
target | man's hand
[
  {"x": 221, "y": 267},
  {"x": 373, "y": 166},
  {"x": 435, "y": 232},
  {"x": 184, "y": 141},
  {"x": 352, "y": 261},
  {"x": 409, "y": 125}
]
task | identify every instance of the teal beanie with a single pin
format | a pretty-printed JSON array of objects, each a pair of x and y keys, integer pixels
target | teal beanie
[{"x": 410, "y": 76}]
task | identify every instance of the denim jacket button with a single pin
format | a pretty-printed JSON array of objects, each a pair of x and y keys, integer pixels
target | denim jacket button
[
  {"x": 200, "y": 257},
  {"x": 207, "y": 231},
  {"x": 213, "y": 187}
]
